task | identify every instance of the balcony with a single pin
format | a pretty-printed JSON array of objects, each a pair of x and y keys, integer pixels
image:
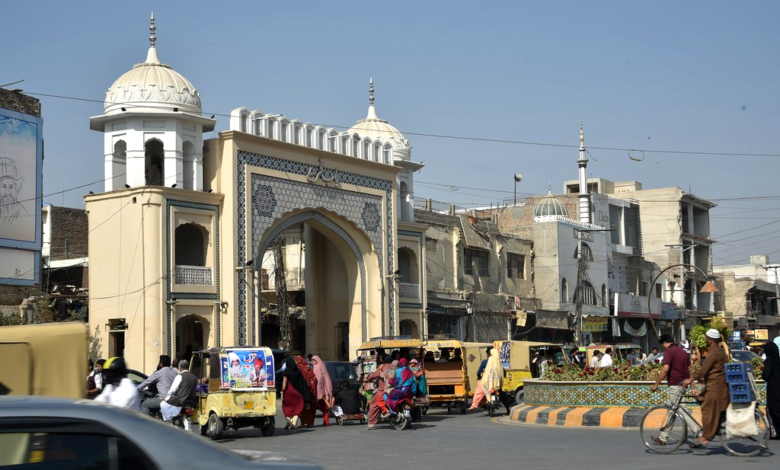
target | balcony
[
  {"x": 409, "y": 292},
  {"x": 194, "y": 275}
]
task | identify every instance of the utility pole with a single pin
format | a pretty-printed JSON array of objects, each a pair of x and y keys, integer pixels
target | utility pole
[
  {"x": 682, "y": 248},
  {"x": 582, "y": 266}
]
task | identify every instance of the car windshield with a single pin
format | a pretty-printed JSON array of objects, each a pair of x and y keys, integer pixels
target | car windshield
[{"x": 342, "y": 370}]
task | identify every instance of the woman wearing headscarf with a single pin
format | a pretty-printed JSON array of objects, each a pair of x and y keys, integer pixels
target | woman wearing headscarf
[
  {"x": 771, "y": 376},
  {"x": 324, "y": 389},
  {"x": 310, "y": 404},
  {"x": 295, "y": 392},
  {"x": 404, "y": 385},
  {"x": 492, "y": 379}
]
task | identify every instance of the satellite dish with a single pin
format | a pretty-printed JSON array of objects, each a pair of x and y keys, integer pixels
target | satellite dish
[{"x": 518, "y": 177}]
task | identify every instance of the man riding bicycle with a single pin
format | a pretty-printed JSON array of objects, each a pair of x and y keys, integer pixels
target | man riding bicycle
[
  {"x": 715, "y": 398},
  {"x": 677, "y": 370}
]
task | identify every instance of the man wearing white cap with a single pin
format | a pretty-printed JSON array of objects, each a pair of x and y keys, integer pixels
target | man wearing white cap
[{"x": 715, "y": 398}]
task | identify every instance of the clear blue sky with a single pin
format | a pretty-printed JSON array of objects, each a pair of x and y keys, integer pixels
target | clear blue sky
[{"x": 695, "y": 76}]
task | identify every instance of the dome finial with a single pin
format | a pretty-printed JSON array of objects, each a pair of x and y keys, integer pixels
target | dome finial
[
  {"x": 549, "y": 189},
  {"x": 582, "y": 134},
  {"x": 371, "y": 91},
  {"x": 152, "y": 29}
]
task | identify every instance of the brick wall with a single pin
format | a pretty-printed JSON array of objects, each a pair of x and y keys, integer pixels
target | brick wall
[
  {"x": 16, "y": 101},
  {"x": 68, "y": 230}
]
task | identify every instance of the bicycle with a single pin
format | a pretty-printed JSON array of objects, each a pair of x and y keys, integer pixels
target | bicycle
[{"x": 672, "y": 419}]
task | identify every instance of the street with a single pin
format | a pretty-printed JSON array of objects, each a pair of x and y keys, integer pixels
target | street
[{"x": 455, "y": 441}]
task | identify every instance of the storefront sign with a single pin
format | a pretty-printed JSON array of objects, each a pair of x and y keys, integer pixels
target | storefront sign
[
  {"x": 759, "y": 335},
  {"x": 669, "y": 310},
  {"x": 594, "y": 324},
  {"x": 635, "y": 306}
]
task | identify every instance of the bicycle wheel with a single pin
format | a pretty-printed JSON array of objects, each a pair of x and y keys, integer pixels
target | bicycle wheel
[
  {"x": 752, "y": 445},
  {"x": 658, "y": 419}
]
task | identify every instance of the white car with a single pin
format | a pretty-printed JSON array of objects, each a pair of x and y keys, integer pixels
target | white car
[{"x": 44, "y": 432}]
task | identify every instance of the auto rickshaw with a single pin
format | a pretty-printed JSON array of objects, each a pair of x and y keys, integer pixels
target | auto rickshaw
[
  {"x": 367, "y": 363},
  {"x": 237, "y": 389},
  {"x": 451, "y": 371},
  {"x": 521, "y": 362}
]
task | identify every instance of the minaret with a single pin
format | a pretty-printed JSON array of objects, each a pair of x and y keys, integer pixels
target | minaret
[{"x": 584, "y": 196}]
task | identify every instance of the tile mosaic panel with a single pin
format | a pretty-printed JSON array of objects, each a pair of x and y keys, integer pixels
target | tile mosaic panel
[
  {"x": 273, "y": 197},
  {"x": 600, "y": 394}
]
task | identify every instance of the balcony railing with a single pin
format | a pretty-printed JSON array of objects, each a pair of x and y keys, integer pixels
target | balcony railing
[
  {"x": 194, "y": 275},
  {"x": 409, "y": 291}
]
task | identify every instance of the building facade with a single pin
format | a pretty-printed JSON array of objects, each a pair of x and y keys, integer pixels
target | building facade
[{"x": 178, "y": 239}]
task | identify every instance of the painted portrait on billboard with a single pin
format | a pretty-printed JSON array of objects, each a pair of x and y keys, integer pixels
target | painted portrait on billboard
[
  {"x": 19, "y": 151},
  {"x": 21, "y": 156}
]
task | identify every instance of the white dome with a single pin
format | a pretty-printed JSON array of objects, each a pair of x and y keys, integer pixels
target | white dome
[
  {"x": 152, "y": 87},
  {"x": 550, "y": 207},
  {"x": 376, "y": 128}
]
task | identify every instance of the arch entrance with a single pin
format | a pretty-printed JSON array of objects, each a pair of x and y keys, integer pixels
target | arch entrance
[
  {"x": 192, "y": 333},
  {"x": 333, "y": 280}
]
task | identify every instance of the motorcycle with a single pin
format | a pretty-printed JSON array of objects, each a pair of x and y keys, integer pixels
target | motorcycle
[
  {"x": 183, "y": 420},
  {"x": 402, "y": 419},
  {"x": 493, "y": 402}
]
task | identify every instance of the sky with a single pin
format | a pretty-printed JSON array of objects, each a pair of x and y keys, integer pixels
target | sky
[{"x": 692, "y": 86}]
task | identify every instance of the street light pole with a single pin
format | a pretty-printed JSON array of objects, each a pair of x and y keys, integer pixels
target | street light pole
[{"x": 518, "y": 178}]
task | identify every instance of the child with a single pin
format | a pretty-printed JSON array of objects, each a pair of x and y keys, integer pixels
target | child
[{"x": 349, "y": 402}]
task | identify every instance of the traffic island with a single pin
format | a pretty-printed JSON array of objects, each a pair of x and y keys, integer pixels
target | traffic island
[
  {"x": 618, "y": 404},
  {"x": 583, "y": 416}
]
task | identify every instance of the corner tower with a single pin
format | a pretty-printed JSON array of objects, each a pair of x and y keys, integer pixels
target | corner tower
[{"x": 153, "y": 127}]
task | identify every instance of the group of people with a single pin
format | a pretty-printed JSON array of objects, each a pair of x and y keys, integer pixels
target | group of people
[
  {"x": 107, "y": 382},
  {"x": 305, "y": 389},
  {"x": 396, "y": 380},
  {"x": 714, "y": 398},
  {"x": 601, "y": 359}
]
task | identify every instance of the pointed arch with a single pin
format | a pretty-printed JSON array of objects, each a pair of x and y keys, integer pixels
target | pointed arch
[{"x": 154, "y": 154}]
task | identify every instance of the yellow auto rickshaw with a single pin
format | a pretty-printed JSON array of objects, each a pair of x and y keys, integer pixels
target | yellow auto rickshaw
[
  {"x": 237, "y": 389},
  {"x": 521, "y": 361},
  {"x": 451, "y": 371}
]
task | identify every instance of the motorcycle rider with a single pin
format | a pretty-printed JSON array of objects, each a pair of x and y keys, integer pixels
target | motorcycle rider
[
  {"x": 118, "y": 390},
  {"x": 163, "y": 377},
  {"x": 182, "y": 392}
]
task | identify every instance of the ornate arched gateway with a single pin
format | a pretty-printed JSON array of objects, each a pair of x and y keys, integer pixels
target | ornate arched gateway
[{"x": 355, "y": 212}]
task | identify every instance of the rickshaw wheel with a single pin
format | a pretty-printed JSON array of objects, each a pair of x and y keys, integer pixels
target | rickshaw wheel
[
  {"x": 215, "y": 427},
  {"x": 519, "y": 397},
  {"x": 270, "y": 426},
  {"x": 340, "y": 421},
  {"x": 416, "y": 415}
]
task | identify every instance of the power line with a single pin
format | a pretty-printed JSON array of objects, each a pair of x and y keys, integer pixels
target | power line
[{"x": 469, "y": 138}]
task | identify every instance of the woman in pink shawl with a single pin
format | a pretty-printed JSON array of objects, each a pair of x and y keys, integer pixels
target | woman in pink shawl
[{"x": 324, "y": 388}]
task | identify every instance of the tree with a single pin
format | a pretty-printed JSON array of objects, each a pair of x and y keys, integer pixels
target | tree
[{"x": 285, "y": 330}]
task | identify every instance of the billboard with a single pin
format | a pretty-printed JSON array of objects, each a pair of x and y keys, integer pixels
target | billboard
[
  {"x": 21, "y": 156},
  {"x": 248, "y": 369}
]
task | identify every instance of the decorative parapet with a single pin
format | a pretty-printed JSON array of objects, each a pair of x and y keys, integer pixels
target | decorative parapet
[
  {"x": 601, "y": 394},
  {"x": 409, "y": 291},
  {"x": 194, "y": 275}
]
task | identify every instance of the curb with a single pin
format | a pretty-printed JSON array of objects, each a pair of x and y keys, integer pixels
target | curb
[{"x": 543, "y": 415}]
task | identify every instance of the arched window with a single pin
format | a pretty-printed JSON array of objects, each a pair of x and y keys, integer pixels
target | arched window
[
  {"x": 564, "y": 291},
  {"x": 321, "y": 139},
  {"x": 367, "y": 150},
  {"x": 407, "y": 265},
  {"x": 587, "y": 254},
  {"x": 386, "y": 154},
  {"x": 377, "y": 157},
  {"x": 119, "y": 166},
  {"x": 244, "y": 120},
  {"x": 191, "y": 245},
  {"x": 588, "y": 294},
  {"x": 344, "y": 150},
  {"x": 153, "y": 162}
]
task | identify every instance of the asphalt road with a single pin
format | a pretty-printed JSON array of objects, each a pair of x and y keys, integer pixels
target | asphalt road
[{"x": 475, "y": 441}]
